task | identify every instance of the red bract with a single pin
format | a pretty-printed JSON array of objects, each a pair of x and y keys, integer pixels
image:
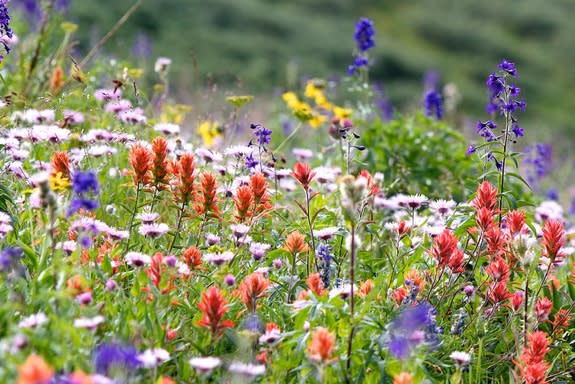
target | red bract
[
  {"x": 303, "y": 173},
  {"x": 517, "y": 300},
  {"x": 515, "y": 221},
  {"x": 155, "y": 270},
  {"x": 213, "y": 307},
  {"x": 498, "y": 292},
  {"x": 532, "y": 365},
  {"x": 244, "y": 201},
  {"x": 60, "y": 164},
  {"x": 484, "y": 218},
  {"x": 553, "y": 238},
  {"x": 252, "y": 288},
  {"x": 486, "y": 196},
  {"x": 371, "y": 184},
  {"x": 543, "y": 309},
  {"x": 192, "y": 257},
  {"x": 159, "y": 162},
  {"x": 444, "y": 245},
  {"x": 321, "y": 346},
  {"x": 206, "y": 200},
  {"x": 399, "y": 295},
  {"x": 498, "y": 269},
  {"x": 315, "y": 284},
  {"x": 536, "y": 349},
  {"x": 184, "y": 170},
  {"x": 262, "y": 200},
  {"x": 456, "y": 261},
  {"x": 141, "y": 162},
  {"x": 496, "y": 242}
]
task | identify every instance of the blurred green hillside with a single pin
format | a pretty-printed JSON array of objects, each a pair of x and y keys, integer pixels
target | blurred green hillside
[{"x": 262, "y": 41}]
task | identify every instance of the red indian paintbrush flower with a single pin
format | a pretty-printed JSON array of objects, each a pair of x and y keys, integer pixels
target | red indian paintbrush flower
[
  {"x": 532, "y": 365},
  {"x": 206, "y": 200},
  {"x": 252, "y": 288},
  {"x": 553, "y": 238},
  {"x": 486, "y": 196},
  {"x": 213, "y": 307},
  {"x": 496, "y": 242},
  {"x": 155, "y": 270},
  {"x": 484, "y": 218},
  {"x": 315, "y": 284},
  {"x": 244, "y": 202},
  {"x": 498, "y": 292},
  {"x": 561, "y": 320},
  {"x": 543, "y": 308},
  {"x": 295, "y": 243},
  {"x": 159, "y": 162},
  {"x": 303, "y": 173},
  {"x": 456, "y": 261},
  {"x": 192, "y": 256},
  {"x": 498, "y": 269},
  {"x": 321, "y": 347},
  {"x": 141, "y": 162},
  {"x": 372, "y": 186},
  {"x": 444, "y": 245},
  {"x": 184, "y": 170},
  {"x": 515, "y": 221},
  {"x": 262, "y": 200},
  {"x": 366, "y": 287},
  {"x": 60, "y": 163}
]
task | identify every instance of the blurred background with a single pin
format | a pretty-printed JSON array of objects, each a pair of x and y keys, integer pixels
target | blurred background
[{"x": 265, "y": 45}]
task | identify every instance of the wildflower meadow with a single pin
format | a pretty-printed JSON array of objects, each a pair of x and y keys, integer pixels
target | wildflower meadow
[{"x": 331, "y": 239}]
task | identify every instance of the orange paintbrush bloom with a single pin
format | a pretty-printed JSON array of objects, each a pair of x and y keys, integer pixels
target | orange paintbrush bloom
[
  {"x": 206, "y": 200},
  {"x": 532, "y": 365},
  {"x": 444, "y": 245},
  {"x": 213, "y": 307},
  {"x": 60, "y": 163},
  {"x": 262, "y": 200},
  {"x": 141, "y": 162},
  {"x": 155, "y": 270},
  {"x": 35, "y": 371},
  {"x": 372, "y": 186},
  {"x": 496, "y": 241},
  {"x": 244, "y": 202},
  {"x": 252, "y": 288},
  {"x": 192, "y": 257},
  {"x": 295, "y": 243},
  {"x": 160, "y": 165},
  {"x": 303, "y": 173},
  {"x": 322, "y": 344},
  {"x": 403, "y": 378},
  {"x": 315, "y": 284},
  {"x": 184, "y": 170},
  {"x": 366, "y": 287}
]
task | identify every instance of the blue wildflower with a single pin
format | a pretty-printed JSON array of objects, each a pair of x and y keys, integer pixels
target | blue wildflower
[
  {"x": 364, "y": 34},
  {"x": 5, "y": 29},
  {"x": 413, "y": 325},
  {"x": 552, "y": 194},
  {"x": 324, "y": 258},
  {"x": 113, "y": 355},
  {"x": 432, "y": 104},
  {"x": 263, "y": 135},
  {"x": 84, "y": 184},
  {"x": 250, "y": 162},
  {"x": 508, "y": 67},
  {"x": 9, "y": 258}
]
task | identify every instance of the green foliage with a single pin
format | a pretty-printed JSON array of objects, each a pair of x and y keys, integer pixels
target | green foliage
[{"x": 420, "y": 155}]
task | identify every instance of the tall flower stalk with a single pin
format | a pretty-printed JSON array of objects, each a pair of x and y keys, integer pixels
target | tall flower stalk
[{"x": 504, "y": 100}]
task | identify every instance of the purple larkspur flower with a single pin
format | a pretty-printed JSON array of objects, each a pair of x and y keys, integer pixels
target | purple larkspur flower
[{"x": 112, "y": 355}]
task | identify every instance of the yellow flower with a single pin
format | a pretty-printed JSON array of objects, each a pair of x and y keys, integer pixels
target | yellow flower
[
  {"x": 317, "y": 120},
  {"x": 59, "y": 183},
  {"x": 342, "y": 113},
  {"x": 291, "y": 100},
  {"x": 209, "y": 130},
  {"x": 239, "y": 101}
]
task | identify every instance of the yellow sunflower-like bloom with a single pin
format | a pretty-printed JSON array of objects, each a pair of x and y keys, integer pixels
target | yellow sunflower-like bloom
[
  {"x": 59, "y": 183},
  {"x": 209, "y": 131}
]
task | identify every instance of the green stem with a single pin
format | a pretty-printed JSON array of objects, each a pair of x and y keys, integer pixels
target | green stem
[{"x": 132, "y": 217}]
